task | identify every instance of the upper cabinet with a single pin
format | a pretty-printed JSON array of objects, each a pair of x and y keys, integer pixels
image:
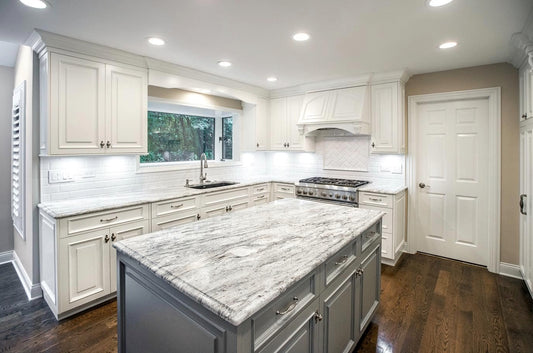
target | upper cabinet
[
  {"x": 254, "y": 127},
  {"x": 89, "y": 106},
  {"x": 284, "y": 133},
  {"x": 388, "y": 118},
  {"x": 525, "y": 81}
]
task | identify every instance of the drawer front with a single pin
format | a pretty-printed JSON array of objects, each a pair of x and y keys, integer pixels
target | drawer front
[
  {"x": 260, "y": 189},
  {"x": 173, "y": 220},
  {"x": 280, "y": 188},
  {"x": 276, "y": 315},
  {"x": 386, "y": 246},
  {"x": 79, "y": 224},
  {"x": 386, "y": 221},
  {"x": 370, "y": 237},
  {"x": 226, "y": 197},
  {"x": 260, "y": 199},
  {"x": 373, "y": 199},
  {"x": 341, "y": 260},
  {"x": 167, "y": 207}
]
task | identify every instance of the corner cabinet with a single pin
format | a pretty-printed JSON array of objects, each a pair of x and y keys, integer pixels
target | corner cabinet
[
  {"x": 92, "y": 107},
  {"x": 388, "y": 118},
  {"x": 284, "y": 133},
  {"x": 525, "y": 81}
]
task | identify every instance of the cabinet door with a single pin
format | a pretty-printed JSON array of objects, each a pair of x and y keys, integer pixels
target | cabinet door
[
  {"x": 315, "y": 106},
  {"x": 83, "y": 268},
  {"x": 385, "y": 118},
  {"x": 127, "y": 94},
  {"x": 340, "y": 329},
  {"x": 120, "y": 233},
  {"x": 295, "y": 141},
  {"x": 278, "y": 120},
  {"x": 522, "y": 88},
  {"x": 526, "y": 214},
  {"x": 261, "y": 125},
  {"x": 77, "y": 101},
  {"x": 370, "y": 287},
  {"x": 528, "y": 92}
]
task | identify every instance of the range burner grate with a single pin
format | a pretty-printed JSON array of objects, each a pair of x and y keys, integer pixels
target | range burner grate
[{"x": 335, "y": 181}]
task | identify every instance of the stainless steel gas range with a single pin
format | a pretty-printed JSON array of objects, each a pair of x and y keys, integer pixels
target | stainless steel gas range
[{"x": 330, "y": 190}]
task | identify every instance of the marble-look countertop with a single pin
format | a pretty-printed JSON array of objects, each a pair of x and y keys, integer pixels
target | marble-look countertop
[
  {"x": 384, "y": 187},
  {"x": 74, "y": 207},
  {"x": 237, "y": 263}
]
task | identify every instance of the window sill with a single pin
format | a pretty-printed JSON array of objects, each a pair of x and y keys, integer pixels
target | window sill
[{"x": 169, "y": 166}]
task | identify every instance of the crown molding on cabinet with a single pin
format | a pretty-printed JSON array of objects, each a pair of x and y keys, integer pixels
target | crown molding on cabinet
[
  {"x": 361, "y": 80},
  {"x": 522, "y": 44}
]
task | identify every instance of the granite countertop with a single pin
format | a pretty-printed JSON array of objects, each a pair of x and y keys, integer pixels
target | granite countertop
[
  {"x": 384, "y": 187},
  {"x": 237, "y": 263},
  {"x": 74, "y": 207}
]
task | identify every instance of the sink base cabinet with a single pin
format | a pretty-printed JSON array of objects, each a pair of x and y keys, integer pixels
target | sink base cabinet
[{"x": 330, "y": 316}]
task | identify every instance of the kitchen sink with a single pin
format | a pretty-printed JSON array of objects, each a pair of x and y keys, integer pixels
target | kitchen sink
[{"x": 213, "y": 184}]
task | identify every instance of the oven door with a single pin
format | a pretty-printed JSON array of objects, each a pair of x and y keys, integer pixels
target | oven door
[{"x": 333, "y": 202}]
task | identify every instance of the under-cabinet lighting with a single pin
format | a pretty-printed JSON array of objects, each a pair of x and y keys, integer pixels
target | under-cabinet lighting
[
  {"x": 272, "y": 79},
  {"x": 224, "y": 63}
]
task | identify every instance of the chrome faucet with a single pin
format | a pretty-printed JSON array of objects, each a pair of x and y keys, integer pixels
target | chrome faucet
[{"x": 203, "y": 164}]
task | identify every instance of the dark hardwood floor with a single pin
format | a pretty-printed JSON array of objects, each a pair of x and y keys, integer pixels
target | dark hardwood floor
[{"x": 428, "y": 304}]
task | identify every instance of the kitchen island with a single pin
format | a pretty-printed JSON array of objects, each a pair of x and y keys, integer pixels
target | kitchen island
[{"x": 292, "y": 275}]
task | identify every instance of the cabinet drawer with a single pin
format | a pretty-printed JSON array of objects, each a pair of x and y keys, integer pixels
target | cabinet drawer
[
  {"x": 386, "y": 221},
  {"x": 173, "y": 220},
  {"x": 167, "y": 207},
  {"x": 373, "y": 199},
  {"x": 260, "y": 199},
  {"x": 386, "y": 246},
  {"x": 224, "y": 196},
  {"x": 370, "y": 237},
  {"x": 340, "y": 261},
  {"x": 284, "y": 188},
  {"x": 274, "y": 317},
  {"x": 260, "y": 189},
  {"x": 78, "y": 224}
]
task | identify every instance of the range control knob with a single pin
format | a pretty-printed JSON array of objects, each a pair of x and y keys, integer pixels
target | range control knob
[
  {"x": 352, "y": 198},
  {"x": 298, "y": 192},
  {"x": 344, "y": 197},
  {"x": 311, "y": 193},
  {"x": 305, "y": 192},
  {"x": 330, "y": 195},
  {"x": 337, "y": 196},
  {"x": 324, "y": 194}
]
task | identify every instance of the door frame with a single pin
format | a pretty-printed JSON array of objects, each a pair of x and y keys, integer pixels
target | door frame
[{"x": 494, "y": 99}]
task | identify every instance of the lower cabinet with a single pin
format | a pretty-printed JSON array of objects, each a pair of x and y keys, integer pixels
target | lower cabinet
[
  {"x": 282, "y": 191},
  {"x": 369, "y": 280}
]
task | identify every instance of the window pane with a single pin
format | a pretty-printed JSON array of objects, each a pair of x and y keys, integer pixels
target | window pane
[
  {"x": 227, "y": 138},
  {"x": 177, "y": 137}
]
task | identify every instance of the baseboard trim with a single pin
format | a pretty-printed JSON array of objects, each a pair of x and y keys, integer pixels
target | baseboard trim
[
  {"x": 6, "y": 256},
  {"x": 510, "y": 270},
  {"x": 33, "y": 291}
]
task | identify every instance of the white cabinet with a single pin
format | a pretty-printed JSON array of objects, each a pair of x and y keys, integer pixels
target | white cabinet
[
  {"x": 393, "y": 222},
  {"x": 526, "y": 204},
  {"x": 254, "y": 126},
  {"x": 174, "y": 212},
  {"x": 218, "y": 203},
  {"x": 284, "y": 133},
  {"x": 315, "y": 107},
  {"x": 92, "y": 107},
  {"x": 283, "y": 191},
  {"x": 388, "y": 118},
  {"x": 525, "y": 80}
]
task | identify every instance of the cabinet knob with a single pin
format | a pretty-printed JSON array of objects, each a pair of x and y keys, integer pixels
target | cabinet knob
[
  {"x": 288, "y": 145},
  {"x": 318, "y": 317},
  {"x": 102, "y": 144},
  {"x": 108, "y": 144},
  {"x": 285, "y": 145},
  {"x": 524, "y": 116},
  {"x": 258, "y": 144},
  {"x": 373, "y": 145},
  {"x": 198, "y": 216},
  {"x": 106, "y": 239},
  {"x": 113, "y": 237}
]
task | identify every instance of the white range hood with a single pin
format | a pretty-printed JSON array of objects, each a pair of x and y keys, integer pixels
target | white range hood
[{"x": 339, "y": 112}]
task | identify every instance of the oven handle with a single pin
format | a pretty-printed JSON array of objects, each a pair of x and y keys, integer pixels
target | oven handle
[{"x": 339, "y": 203}]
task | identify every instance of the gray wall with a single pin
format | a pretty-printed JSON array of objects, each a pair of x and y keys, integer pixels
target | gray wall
[{"x": 6, "y": 96}]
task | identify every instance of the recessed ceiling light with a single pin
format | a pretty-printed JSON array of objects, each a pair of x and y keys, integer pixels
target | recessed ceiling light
[
  {"x": 437, "y": 3},
  {"x": 156, "y": 41},
  {"x": 36, "y": 4},
  {"x": 301, "y": 37},
  {"x": 272, "y": 79},
  {"x": 448, "y": 45},
  {"x": 224, "y": 63}
]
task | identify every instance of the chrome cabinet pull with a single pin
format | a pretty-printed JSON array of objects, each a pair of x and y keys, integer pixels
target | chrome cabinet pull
[
  {"x": 106, "y": 239},
  {"x": 261, "y": 189},
  {"x": 524, "y": 116},
  {"x": 176, "y": 206},
  {"x": 359, "y": 272},
  {"x": 260, "y": 197},
  {"x": 285, "y": 189},
  {"x": 289, "y": 308},
  {"x": 113, "y": 237},
  {"x": 103, "y": 220},
  {"x": 375, "y": 199},
  {"x": 230, "y": 208},
  {"x": 522, "y": 204},
  {"x": 342, "y": 260}
]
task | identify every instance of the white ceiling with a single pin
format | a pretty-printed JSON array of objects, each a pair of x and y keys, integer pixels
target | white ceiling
[
  {"x": 8, "y": 53},
  {"x": 348, "y": 37}
]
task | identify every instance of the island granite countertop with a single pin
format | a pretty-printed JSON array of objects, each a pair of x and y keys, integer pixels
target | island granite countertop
[{"x": 237, "y": 263}]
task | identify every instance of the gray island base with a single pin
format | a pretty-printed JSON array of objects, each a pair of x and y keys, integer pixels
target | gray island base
[{"x": 288, "y": 276}]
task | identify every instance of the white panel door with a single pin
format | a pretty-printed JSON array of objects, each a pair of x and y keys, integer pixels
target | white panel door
[
  {"x": 86, "y": 260},
  {"x": 120, "y": 233},
  {"x": 452, "y": 165},
  {"x": 295, "y": 141},
  {"x": 526, "y": 211},
  {"x": 127, "y": 95},
  {"x": 278, "y": 119},
  {"x": 77, "y": 101}
]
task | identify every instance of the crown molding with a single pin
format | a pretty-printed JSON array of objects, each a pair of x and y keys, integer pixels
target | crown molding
[
  {"x": 522, "y": 44},
  {"x": 361, "y": 80}
]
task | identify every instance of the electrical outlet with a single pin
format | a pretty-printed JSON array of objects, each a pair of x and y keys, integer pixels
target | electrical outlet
[
  {"x": 60, "y": 176},
  {"x": 397, "y": 168}
]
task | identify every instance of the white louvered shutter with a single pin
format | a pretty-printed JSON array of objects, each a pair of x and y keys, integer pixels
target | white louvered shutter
[{"x": 17, "y": 158}]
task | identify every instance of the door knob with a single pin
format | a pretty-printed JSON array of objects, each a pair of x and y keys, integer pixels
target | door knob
[{"x": 421, "y": 185}]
